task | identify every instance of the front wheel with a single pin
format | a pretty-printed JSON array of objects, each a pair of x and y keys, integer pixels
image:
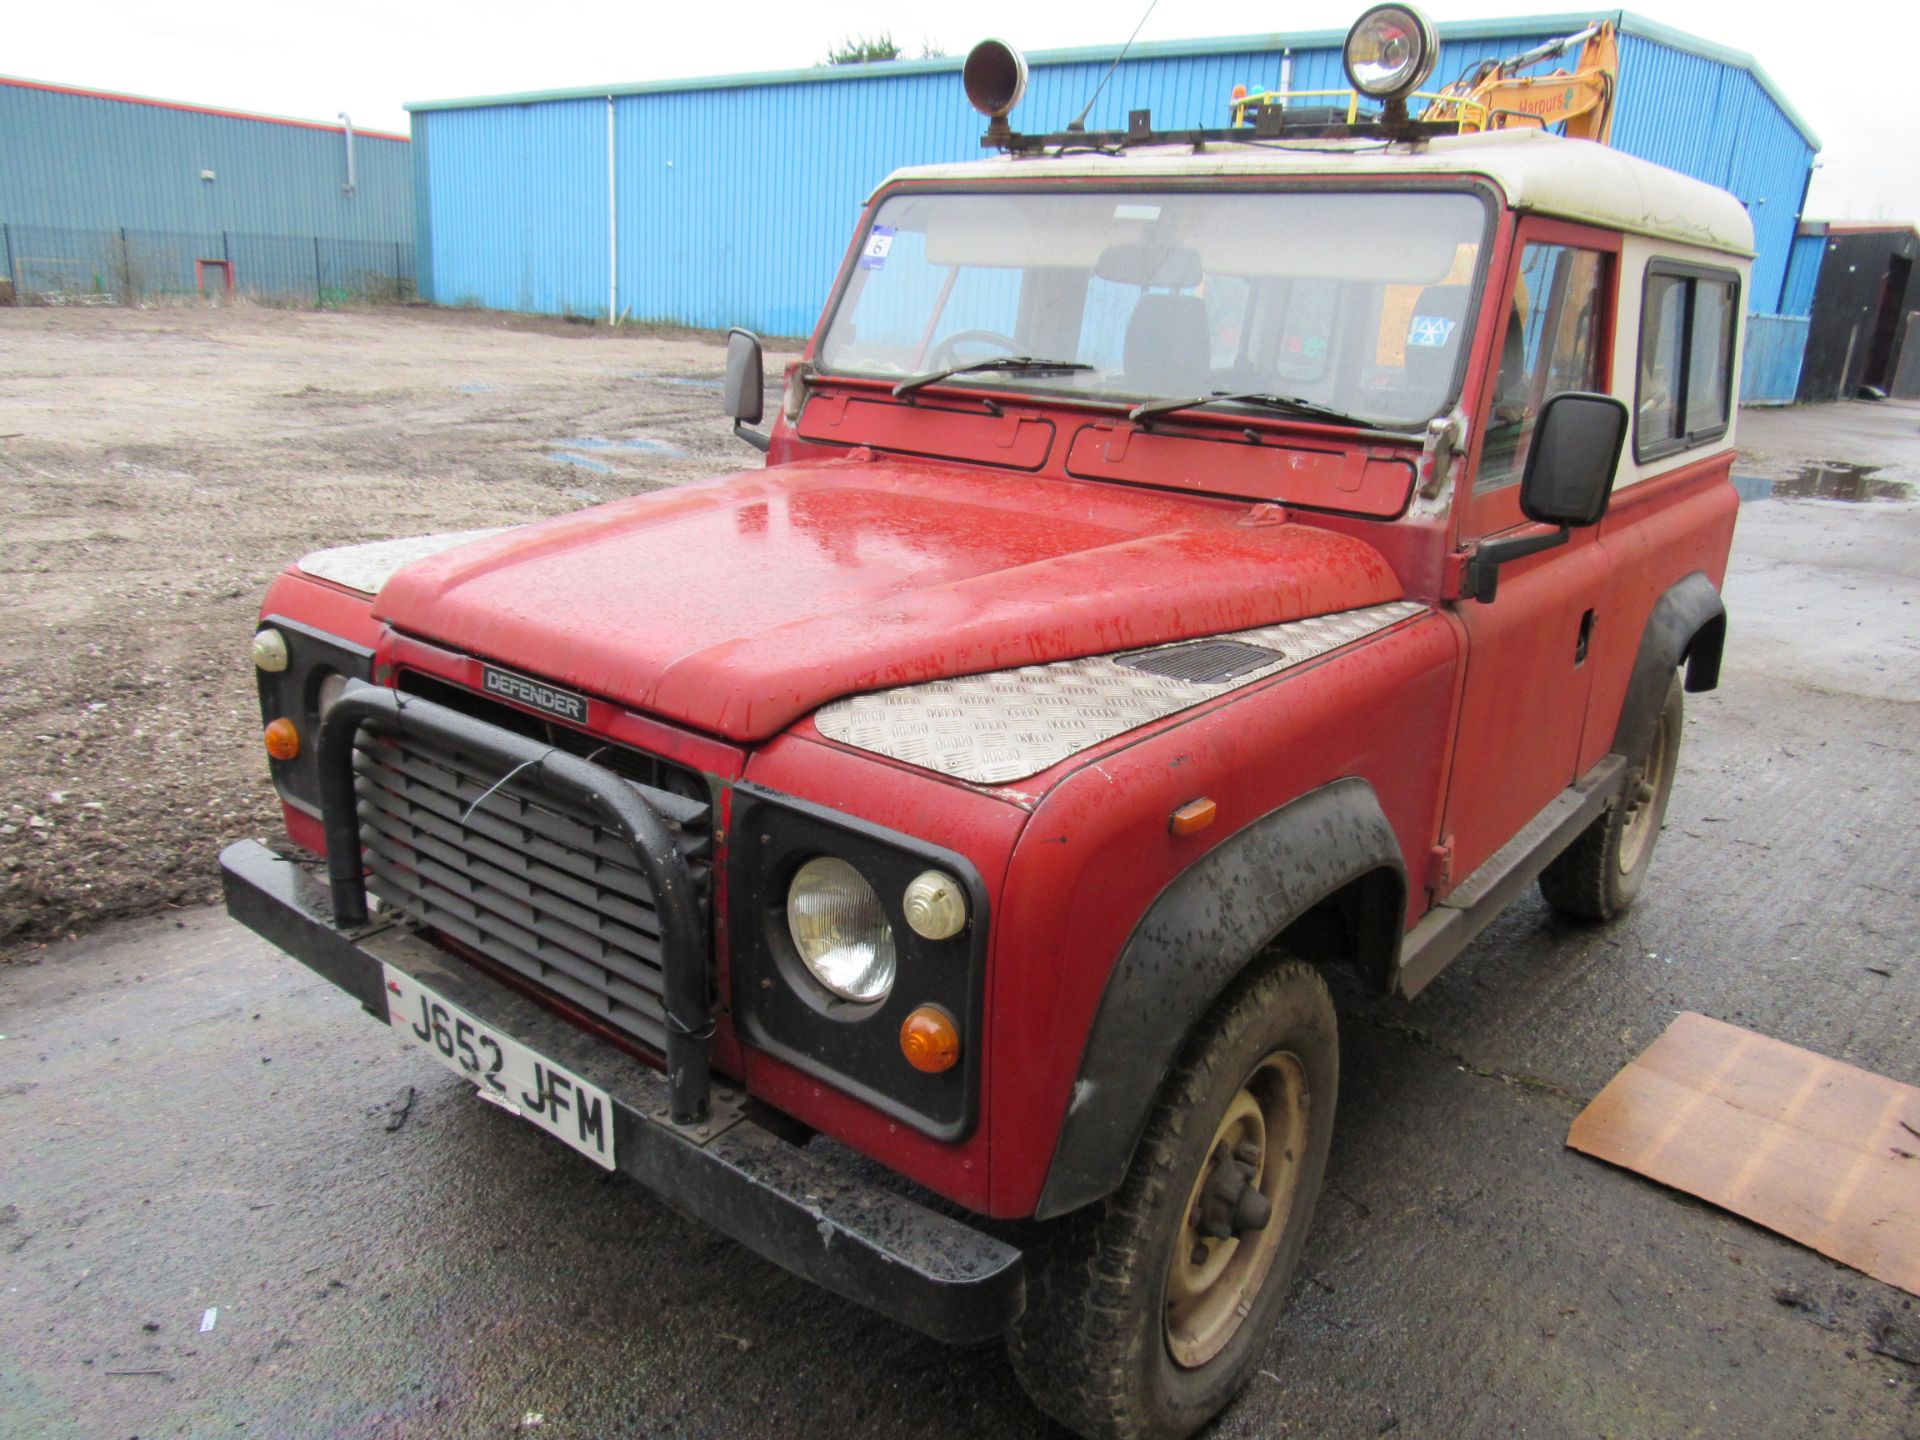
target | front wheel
[
  {"x": 1147, "y": 1312},
  {"x": 1601, "y": 873}
]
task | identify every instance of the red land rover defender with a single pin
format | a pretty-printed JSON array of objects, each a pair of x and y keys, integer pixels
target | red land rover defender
[{"x": 1182, "y": 563}]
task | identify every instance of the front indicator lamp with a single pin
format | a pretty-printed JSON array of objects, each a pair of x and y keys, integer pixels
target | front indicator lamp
[
  {"x": 930, "y": 1040},
  {"x": 283, "y": 741},
  {"x": 270, "y": 650},
  {"x": 1389, "y": 51},
  {"x": 840, "y": 930},
  {"x": 936, "y": 906}
]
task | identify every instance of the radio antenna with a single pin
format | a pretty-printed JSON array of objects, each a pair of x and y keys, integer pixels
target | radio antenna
[{"x": 1080, "y": 121}]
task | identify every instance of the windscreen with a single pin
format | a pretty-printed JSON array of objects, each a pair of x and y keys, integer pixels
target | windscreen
[{"x": 1357, "y": 301}]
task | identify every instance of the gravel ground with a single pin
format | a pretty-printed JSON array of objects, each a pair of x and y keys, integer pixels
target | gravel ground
[{"x": 159, "y": 466}]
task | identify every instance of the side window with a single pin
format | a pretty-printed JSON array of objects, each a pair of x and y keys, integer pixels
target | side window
[
  {"x": 1685, "y": 389},
  {"x": 1552, "y": 344}
]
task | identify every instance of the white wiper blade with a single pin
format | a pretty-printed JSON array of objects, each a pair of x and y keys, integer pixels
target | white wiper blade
[
  {"x": 1291, "y": 404},
  {"x": 1024, "y": 364}
]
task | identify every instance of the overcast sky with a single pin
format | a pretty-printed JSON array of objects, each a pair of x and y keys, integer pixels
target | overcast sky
[{"x": 368, "y": 57}]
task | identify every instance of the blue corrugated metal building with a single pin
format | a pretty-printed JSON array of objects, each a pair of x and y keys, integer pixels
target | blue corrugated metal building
[
  {"x": 1803, "y": 268},
  {"x": 730, "y": 200},
  {"x": 102, "y": 193}
]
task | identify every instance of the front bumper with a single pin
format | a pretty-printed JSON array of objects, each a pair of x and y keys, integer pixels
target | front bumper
[{"x": 792, "y": 1205}]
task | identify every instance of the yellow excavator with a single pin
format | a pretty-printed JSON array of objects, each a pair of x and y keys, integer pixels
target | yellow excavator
[{"x": 1493, "y": 94}]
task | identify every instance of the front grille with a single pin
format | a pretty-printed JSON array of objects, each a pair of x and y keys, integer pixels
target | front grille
[
  {"x": 537, "y": 885},
  {"x": 635, "y": 765}
]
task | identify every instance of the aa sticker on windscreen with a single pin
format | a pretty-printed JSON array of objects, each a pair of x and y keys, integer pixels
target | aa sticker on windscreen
[
  {"x": 1430, "y": 331},
  {"x": 878, "y": 244}
]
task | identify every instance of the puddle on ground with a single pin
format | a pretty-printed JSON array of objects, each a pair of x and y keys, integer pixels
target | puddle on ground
[
  {"x": 561, "y": 458},
  {"x": 643, "y": 444},
  {"x": 1837, "y": 480}
]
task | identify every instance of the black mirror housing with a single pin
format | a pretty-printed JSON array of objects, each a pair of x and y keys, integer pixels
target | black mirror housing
[
  {"x": 744, "y": 395},
  {"x": 1571, "y": 464}
]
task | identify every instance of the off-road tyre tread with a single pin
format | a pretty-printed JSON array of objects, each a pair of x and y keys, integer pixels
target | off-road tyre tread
[
  {"x": 1072, "y": 1349},
  {"x": 1584, "y": 880}
]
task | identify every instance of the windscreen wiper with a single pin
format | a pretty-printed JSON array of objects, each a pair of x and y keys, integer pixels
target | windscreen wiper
[
  {"x": 1025, "y": 364},
  {"x": 1290, "y": 404}
]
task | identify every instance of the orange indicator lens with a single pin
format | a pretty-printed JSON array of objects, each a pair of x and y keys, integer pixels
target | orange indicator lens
[
  {"x": 283, "y": 741},
  {"x": 929, "y": 1040},
  {"x": 1194, "y": 816}
]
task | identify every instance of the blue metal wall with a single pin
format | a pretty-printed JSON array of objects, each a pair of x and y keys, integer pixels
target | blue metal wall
[
  {"x": 93, "y": 162},
  {"x": 1716, "y": 123},
  {"x": 1803, "y": 274},
  {"x": 737, "y": 196},
  {"x": 75, "y": 167}
]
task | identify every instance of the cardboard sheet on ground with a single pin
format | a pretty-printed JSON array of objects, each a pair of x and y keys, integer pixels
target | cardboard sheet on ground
[{"x": 1801, "y": 1144}]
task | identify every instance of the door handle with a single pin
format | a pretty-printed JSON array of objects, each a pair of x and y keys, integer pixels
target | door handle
[{"x": 1586, "y": 639}]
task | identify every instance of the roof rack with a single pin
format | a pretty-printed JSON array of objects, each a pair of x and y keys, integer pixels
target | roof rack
[{"x": 1271, "y": 117}]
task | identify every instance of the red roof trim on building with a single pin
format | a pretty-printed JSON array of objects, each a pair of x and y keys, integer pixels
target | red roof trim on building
[{"x": 197, "y": 109}]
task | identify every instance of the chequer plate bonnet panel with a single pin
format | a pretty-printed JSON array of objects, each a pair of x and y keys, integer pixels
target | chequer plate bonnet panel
[{"x": 1009, "y": 724}]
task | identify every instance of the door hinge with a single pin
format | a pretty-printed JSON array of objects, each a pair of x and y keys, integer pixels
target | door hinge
[{"x": 1440, "y": 866}]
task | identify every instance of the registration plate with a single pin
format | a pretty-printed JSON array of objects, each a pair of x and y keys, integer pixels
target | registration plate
[{"x": 506, "y": 1072}]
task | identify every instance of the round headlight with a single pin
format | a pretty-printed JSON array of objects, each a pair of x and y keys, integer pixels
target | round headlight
[
  {"x": 840, "y": 930},
  {"x": 270, "y": 650},
  {"x": 1389, "y": 51}
]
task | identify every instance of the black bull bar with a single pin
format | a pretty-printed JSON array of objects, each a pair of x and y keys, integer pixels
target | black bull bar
[
  {"x": 686, "y": 994},
  {"x": 819, "y": 1218}
]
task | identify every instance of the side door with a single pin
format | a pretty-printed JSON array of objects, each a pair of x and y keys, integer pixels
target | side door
[{"x": 1524, "y": 697}]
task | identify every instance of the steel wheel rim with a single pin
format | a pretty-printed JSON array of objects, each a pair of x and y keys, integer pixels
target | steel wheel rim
[
  {"x": 1212, "y": 1283},
  {"x": 1643, "y": 820}
]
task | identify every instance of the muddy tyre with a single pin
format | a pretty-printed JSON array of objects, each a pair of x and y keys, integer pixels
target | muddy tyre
[
  {"x": 1601, "y": 873},
  {"x": 1148, "y": 1311}
]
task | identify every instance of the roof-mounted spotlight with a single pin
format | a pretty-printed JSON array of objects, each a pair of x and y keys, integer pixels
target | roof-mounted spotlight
[
  {"x": 995, "y": 77},
  {"x": 1389, "y": 51}
]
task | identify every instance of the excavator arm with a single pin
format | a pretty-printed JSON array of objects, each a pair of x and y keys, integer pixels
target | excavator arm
[{"x": 1494, "y": 95}]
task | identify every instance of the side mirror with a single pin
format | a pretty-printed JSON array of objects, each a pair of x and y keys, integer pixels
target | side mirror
[
  {"x": 1571, "y": 464},
  {"x": 1568, "y": 481},
  {"x": 745, "y": 393}
]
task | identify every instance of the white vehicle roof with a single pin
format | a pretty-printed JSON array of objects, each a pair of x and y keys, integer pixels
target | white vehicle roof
[{"x": 1538, "y": 173}]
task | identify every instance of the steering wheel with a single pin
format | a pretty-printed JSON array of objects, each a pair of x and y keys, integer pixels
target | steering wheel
[{"x": 942, "y": 354}]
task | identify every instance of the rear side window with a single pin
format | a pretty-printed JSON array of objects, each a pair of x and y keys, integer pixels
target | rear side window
[{"x": 1685, "y": 390}]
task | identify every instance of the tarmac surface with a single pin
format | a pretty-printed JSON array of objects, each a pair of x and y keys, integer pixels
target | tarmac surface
[{"x": 196, "y": 1126}]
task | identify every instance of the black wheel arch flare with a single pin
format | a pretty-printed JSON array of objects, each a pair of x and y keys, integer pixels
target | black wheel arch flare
[
  {"x": 1199, "y": 934},
  {"x": 1688, "y": 624}
]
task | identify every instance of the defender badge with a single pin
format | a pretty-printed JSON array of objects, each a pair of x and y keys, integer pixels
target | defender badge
[{"x": 534, "y": 694}]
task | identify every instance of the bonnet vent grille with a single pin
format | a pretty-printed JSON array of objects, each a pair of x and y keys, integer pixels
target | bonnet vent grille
[{"x": 1206, "y": 662}]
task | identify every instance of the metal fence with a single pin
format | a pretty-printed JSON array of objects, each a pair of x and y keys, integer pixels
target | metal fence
[{"x": 60, "y": 266}]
